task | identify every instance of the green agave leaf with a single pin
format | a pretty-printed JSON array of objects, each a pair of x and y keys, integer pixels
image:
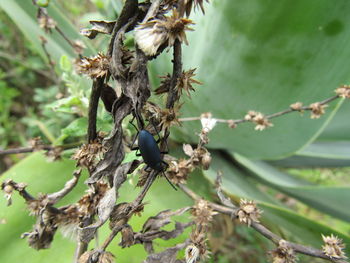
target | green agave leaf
[
  {"x": 331, "y": 200},
  {"x": 44, "y": 176},
  {"x": 262, "y": 55},
  {"x": 330, "y": 149},
  {"x": 306, "y": 231},
  {"x": 338, "y": 129},
  {"x": 307, "y": 162},
  {"x": 234, "y": 181},
  {"x": 23, "y": 13}
]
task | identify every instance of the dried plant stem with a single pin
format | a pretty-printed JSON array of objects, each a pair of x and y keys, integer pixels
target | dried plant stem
[
  {"x": 177, "y": 69},
  {"x": 172, "y": 93},
  {"x": 112, "y": 235},
  {"x": 33, "y": 149},
  {"x": 59, "y": 30},
  {"x": 129, "y": 10},
  {"x": 93, "y": 105},
  {"x": 270, "y": 116},
  {"x": 152, "y": 10},
  {"x": 231, "y": 211}
]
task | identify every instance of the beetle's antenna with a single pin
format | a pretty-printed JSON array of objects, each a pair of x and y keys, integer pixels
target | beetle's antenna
[{"x": 173, "y": 186}]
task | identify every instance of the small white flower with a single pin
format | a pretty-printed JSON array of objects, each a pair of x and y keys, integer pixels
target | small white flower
[{"x": 207, "y": 121}]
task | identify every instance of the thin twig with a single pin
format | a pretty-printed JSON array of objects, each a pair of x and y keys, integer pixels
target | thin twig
[
  {"x": 33, "y": 149},
  {"x": 270, "y": 116}
]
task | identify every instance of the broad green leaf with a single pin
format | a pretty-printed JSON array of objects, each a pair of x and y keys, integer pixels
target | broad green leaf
[
  {"x": 328, "y": 199},
  {"x": 307, "y": 162},
  {"x": 265, "y": 55},
  {"x": 234, "y": 180},
  {"x": 332, "y": 150},
  {"x": 42, "y": 176},
  {"x": 338, "y": 128}
]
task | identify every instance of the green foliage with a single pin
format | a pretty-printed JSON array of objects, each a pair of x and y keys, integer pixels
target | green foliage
[
  {"x": 264, "y": 56},
  {"x": 252, "y": 56}
]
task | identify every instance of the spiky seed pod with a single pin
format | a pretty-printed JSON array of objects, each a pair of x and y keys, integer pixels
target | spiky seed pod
[
  {"x": 296, "y": 106},
  {"x": 151, "y": 35},
  {"x": 95, "y": 67},
  {"x": 333, "y": 247},
  {"x": 317, "y": 110},
  {"x": 283, "y": 253},
  {"x": 343, "y": 91},
  {"x": 248, "y": 212}
]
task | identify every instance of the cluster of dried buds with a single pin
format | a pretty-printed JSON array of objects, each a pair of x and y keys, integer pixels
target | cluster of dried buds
[
  {"x": 178, "y": 170},
  {"x": 283, "y": 253},
  {"x": 259, "y": 119},
  {"x": 95, "y": 67},
  {"x": 317, "y": 109},
  {"x": 248, "y": 212},
  {"x": 343, "y": 91},
  {"x": 333, "y": 247},
  {"x": 162, "y": 32},
  {"x": 89, "y": 154},
  {"x": 183, "y": 84},
  {"x": 45, "y": 22}
]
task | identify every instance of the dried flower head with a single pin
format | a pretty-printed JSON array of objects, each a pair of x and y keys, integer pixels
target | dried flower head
[
  {"x": 178, "y": 171},
  {"x": 45, "y": 22},
  {"x": 333, "y": 247},
  {"x": 97, "y": 256},
  {"x": 296, "y": 106},
  {"x": 248, "y": 212},
  {"x": 261, "y": 122},
  {"x": 202, "y": 212},
  {"x": 191, "y": 254},
  {"x": 317, "y": 110},
  {"x": 95, "y": 67},
  {"x": 283, "y": 253},
  {"x": 8, "y": 186},
  {"x": 185, "y": 82},
  {"x": 164, "y": 84},
  {"x": 89, "y": 154},
  {"x": 151, "y": 35},
  {"x": 169, "y": 117},
  {"x": 250, "y": 115},
  {"x": 343, "y": 91},
  {"x": 206, "y": 161}
]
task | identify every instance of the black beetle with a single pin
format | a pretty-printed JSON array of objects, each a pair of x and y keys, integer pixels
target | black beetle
[{"x": 150, "y": 152}]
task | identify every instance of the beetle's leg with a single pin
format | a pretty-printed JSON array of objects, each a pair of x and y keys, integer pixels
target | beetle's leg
[
  {"x": 148, "y": 169},
  {"x": 131, "y": 122},
  {"x": 173, "y": 186},
  {"x": 137, "y": 153},
  {"x": 166, "y": 165}
]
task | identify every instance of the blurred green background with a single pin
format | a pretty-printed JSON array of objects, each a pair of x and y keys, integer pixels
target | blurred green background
[{"x": 251, "y": 55}]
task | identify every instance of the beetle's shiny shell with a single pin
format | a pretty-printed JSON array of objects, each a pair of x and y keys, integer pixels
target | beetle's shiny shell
[{"x": 149, "y": 150}]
